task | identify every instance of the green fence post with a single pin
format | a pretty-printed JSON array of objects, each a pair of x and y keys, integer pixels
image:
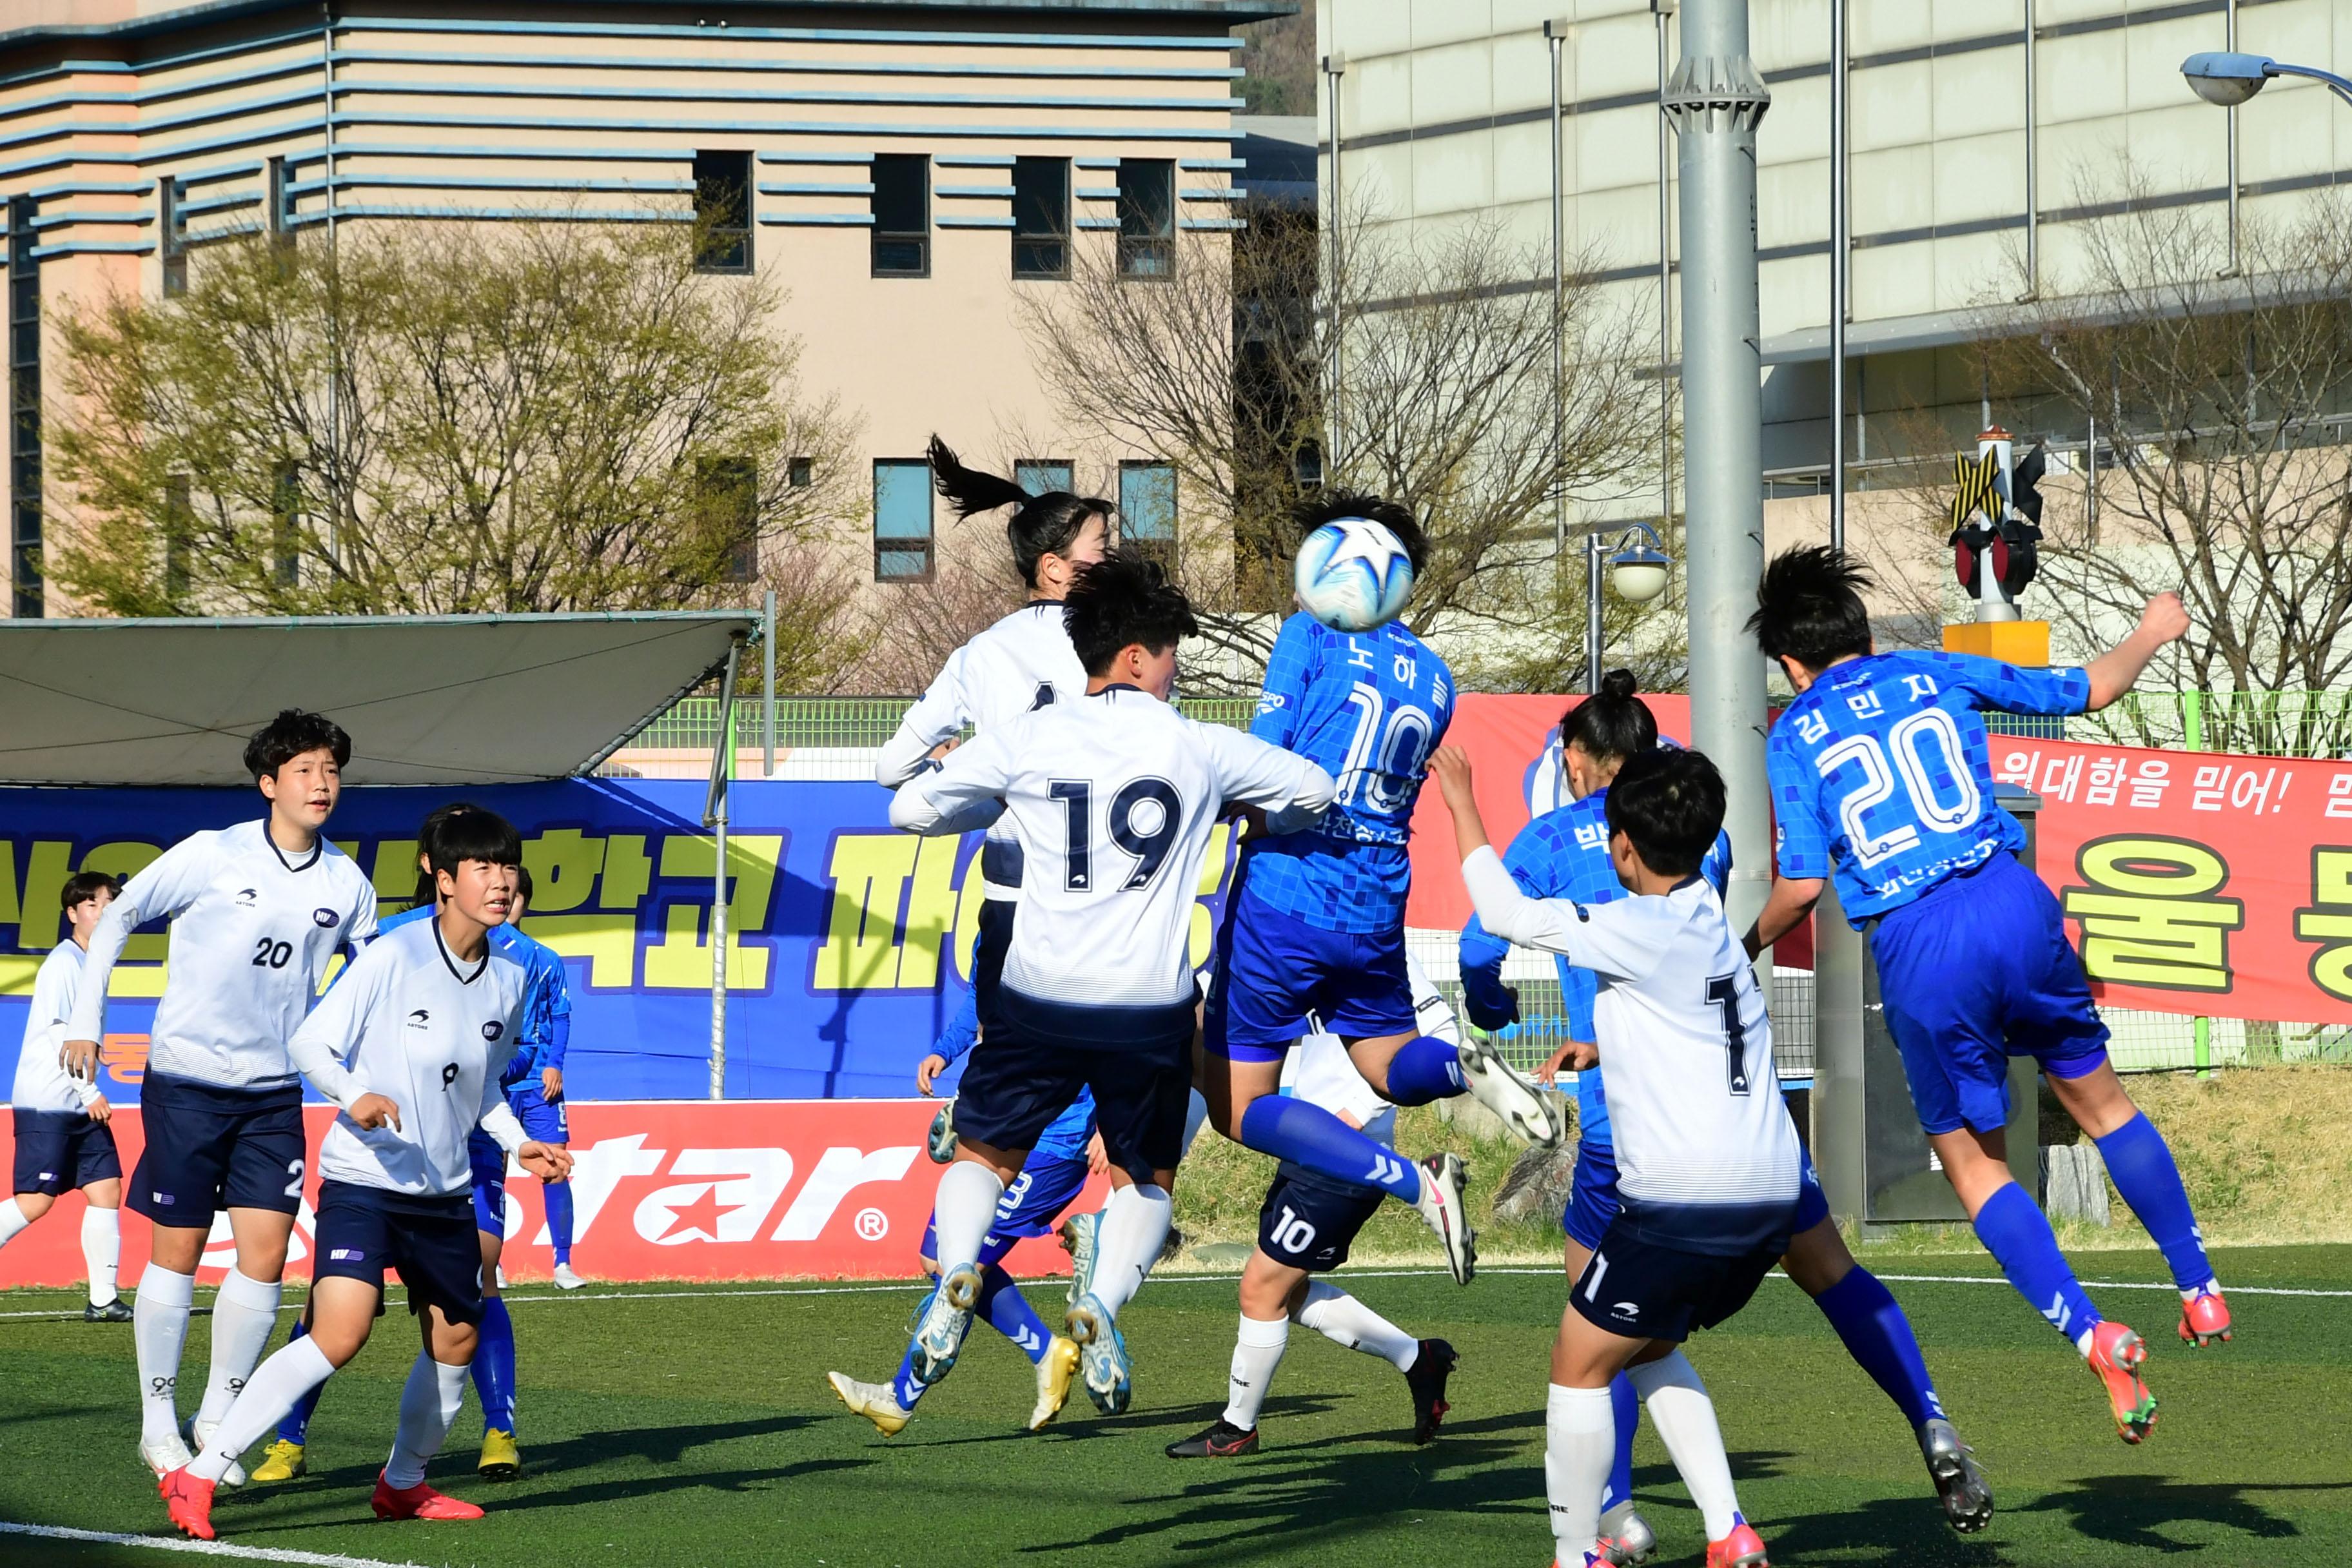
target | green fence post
[{"x": 2201, "y": 1031}]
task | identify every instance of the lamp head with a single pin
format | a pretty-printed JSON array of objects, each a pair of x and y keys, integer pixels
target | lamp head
[
  {"x": 2222, "y": 77},
  {"x": 1639, "y": 575}
]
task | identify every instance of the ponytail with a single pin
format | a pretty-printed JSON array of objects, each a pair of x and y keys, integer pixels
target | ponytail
[
  {"x": 1044, "y": 524},
  {"x": 1613, "y": 723}
]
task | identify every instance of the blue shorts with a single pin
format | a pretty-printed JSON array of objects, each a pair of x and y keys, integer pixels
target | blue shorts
[
  {"x": 1030, "y": 1206},
  {"x": 1309, "y": 1222},
  {"x": 1973, "y": 972},
  {"x": 362, "y": 1231},
  {"x": 544, "y": 1120},
  {"x": 1592, "y": 1199},
  {"x": 1274, "y": 968},
  {"x": 489, "y": 1164},
  {"x": 62, "y": 1151},
  {"x": 210, "y": 1148}
]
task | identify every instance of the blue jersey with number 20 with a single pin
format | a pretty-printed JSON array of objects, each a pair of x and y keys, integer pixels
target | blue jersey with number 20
[
  {"x": 1882, "y": 776},
  {"x": 1368, "y": 707}
]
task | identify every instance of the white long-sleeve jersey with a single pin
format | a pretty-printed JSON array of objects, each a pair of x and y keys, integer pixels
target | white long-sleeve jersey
[
  {"x": 1022, "y": 663},
  {"x": 253, "y": 930},
  {"x": 431, "y": 1034},
  {"x": 42, "y": 1082},
  {"x": 1707, "y": 1159},
  {"x": 1115, "y": 795}
]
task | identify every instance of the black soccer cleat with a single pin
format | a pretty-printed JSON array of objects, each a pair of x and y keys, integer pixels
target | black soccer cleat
[
  {"x": 1222, "y": 1441},
  {"x": 114, "y": 1311},
  {"x": 1426, "y": 1377}
]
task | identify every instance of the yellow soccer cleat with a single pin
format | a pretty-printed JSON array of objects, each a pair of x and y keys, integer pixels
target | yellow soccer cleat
[
  {"x": 281, "y": 1461},
  {"x": 875, "y": 1401},
  {"x": 501, "y": 1460},
  {"x": 1053, "y": 1374}
]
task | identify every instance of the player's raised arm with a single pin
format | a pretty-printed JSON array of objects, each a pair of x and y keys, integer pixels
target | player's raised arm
[
  {"x": 169, "y": 884},
  {"x": 938, "y": 716},
  {"x": 963, "y": 792},
  {"x": 1293, "y": 792},
  {"x": 2116, "y": 672}
]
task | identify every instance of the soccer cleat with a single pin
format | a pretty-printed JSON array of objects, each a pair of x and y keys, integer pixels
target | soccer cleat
[
  {"x": 281, "y": 1461},
  {"x": 1055, "y": 1369},
  {"x": 189, "y": 1500},
  {"x": 1960, "y": 1485},
  {"x": 878, "y": 1403},
  {"x": 201, "y": 1432},
  {"x": 1079, "y": 1234},
  {"x": 1222, "y": 1441},
  {"x": 501, "y": 1460},
  {"x": 1743, "y": 1548},
  {"x": 1441, "y": 1204},
  {"x": 1626, "y": 1537},
  {"x": 2204, "y": 1317},
  {"x": 1525, "y": 1109},
  {"x": 1426, "y": 1377},
  {"x": 947, "y": 1318},
  {"x": 941, "y": 1142},
  {"x": 566, "y": 1279},
  {"x": 166, "y": 1457},
  {"x": 419, "y": 1501},
  {"x": 2116, "y": 1356},
  {"x": 1109, "y": 1376},
  {"x": 117, "y": 1311}
]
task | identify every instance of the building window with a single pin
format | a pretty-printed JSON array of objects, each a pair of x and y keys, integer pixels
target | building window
[
  {"x": 1147, "y": 218},
  {"x": 179, "y": 534},
  {"x": 730, "y": 501},
  {"x": 902, "y": 520},
  {"x": 286, "y": 525},
  {"x": 902, "y": 216},
  {"x": 722, "y": 212},
  {"x": 1040, "y": 475},
  {"x": 24, "y": 410},
  {"x": 1146, "y": 507},
  {"x": 1041, "y": 217},
  {"x": 281, "y": 216},
  {"x": 800, "y": 473},
  {"x": 173, "y": 225}
]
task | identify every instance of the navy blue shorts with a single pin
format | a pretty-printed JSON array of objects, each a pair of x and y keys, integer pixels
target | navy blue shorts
[
  {"x": 544, "y": 1120},
  {"x": 362, "y": 1231},
  {"x": 1973, "y": 972},
  {"x": 1014, "y": 1086},
  {"x": 1592, "y": 1201},
  {"x": 1647, "y": 1291},
  {"x": 210, "y": 1149},
  {"x": 490, "y": 1167},
  {"x": 988, "y": 951},
  {"x": 62, "y": 1151},
  {"x": 1030, "y": 1206},
  {"x": 1274, "y": 968},
  {"x": 1309, "y": 1223}
]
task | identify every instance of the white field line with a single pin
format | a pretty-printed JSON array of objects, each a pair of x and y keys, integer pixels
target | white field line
[{"x": 204, "y": 1548}]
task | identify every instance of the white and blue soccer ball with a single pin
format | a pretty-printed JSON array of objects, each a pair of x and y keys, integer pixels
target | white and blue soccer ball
[{"x": 1353, "y": 575}]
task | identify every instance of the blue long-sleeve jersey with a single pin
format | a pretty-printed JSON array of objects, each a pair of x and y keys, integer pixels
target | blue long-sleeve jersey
[
  {"x": 1066, "y": 1136},
  {"x": 547, "y": 1000},
  {"x": 1562, "y": 854}
]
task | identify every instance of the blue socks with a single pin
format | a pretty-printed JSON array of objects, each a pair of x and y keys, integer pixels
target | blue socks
[
  {"x": 295, "y": 1428},
  {"x": 1625, "y": 1405},
  {"x": 2150, "y": 1182},
  {"x": 1879, "y": 1338},
  {"x": 1424, "y": 1070},
  {"x": 558, "y": 1198},
  {"x": 1009, "y": 1313},
  {"x": 2012, "y": 1229},
  {"x": 1308, "y": 1135},
  {"x": 494, "y": 1366}
]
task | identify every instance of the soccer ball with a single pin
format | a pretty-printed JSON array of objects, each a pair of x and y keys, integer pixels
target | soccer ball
[{"x": 1353, "y": 575}]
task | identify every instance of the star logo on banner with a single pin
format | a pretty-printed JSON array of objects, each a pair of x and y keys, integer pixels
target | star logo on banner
[
  {"x": 1365, "y": 540},
  {"x": 702, "y": 1215}
]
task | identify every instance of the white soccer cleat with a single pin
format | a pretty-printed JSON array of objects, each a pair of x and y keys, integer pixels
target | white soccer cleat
[
  {"x": 947, "y": 1318},
  {"x": 566, "y": 1279},
  {"x": 1525, "y": 1109},
  {"x": 878, "y": 1402},
  {"x": 1442, "y": 1205},
  {"x": 940, "y": 1143},
  {"x": 1079, "y": 1234},
  {"x": 1109, "y": 1375},
  {"x": 1626, "y": 1537},
  {"x": 166, "y": 1457},
  {"x": 1055, "y": 1371},
  {"x": 201, "y": 1431}
]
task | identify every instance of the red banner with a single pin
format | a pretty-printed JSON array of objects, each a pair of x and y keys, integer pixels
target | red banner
[{"x": 741, "y": 1190}]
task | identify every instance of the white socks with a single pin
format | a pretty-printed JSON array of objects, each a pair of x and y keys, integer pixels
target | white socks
[
  {"x": 274, "y": 1387},
  {"x": 428, "y": 1407},
  {"x": 1580, "y": 1443},
  {"x": 1684, "y": 1417},
  {"x": 1196, "y": 1116},
  {"x": 12, "y": 1221},
  {"x": 1338, "y": 1316},
  {"x": 243, "y": 1314},
  {"x": 102, "y": 1251},
  {"x": 1127, "y": 1243},
  {"x": 158, "y": 1327},
  {"x": 961, "y": 1214},
  {"x": 1258, "y": 1350}
]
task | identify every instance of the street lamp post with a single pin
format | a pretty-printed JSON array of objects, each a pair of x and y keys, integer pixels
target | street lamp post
[
  {"x": 2226, "y": 79},
  {"x": 1637, "y": 571}
]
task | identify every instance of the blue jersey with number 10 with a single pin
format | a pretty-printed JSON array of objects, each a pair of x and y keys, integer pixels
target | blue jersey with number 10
[
  {"x": 1882, "y": 776},
  {"x": 1368, "y": 707}
]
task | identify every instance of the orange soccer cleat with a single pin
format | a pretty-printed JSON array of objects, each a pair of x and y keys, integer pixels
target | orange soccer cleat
[
  {"x": 2116, "y": 1355},
  {"x": 189, "y": 1500},
  {"x": 1743, "y": 1548},
  {"x": 419, "y": 1501},
  {"x": 2204, "y": 1317}
]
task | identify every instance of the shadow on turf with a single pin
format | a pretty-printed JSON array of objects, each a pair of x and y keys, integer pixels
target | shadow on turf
[{"x": 2132, "y": 1510}]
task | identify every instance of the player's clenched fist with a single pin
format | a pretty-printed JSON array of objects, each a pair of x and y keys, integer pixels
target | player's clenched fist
[
  {"x": 548, "y": 1161},
  {"x": 1450, "y": 767},
  {"x": 374, "y": 1111},
  {"x": 2165, "y": 618}
]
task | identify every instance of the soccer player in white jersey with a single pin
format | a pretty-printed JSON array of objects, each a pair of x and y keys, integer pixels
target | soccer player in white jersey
[
  {"x": 1709, "y": 1166},
  {"x": 409, "y": 1044},
  {"x": 1305, "y": 1228},
  {"x": 1115, "y": 795},
  {"x": 257, "y": 910},
  {"x": 63, "y": 1141}
]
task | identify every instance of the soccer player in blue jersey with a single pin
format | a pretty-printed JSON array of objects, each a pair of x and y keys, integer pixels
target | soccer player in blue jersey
[
  {"x": 1564, "y": 854},
  {"x": 1882, "y": 778},
  {"x": 1316, "y": 925}
]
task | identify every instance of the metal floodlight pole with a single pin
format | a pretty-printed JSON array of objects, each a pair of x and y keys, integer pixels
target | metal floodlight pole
[
  {"x": 768, "y": 685},
  {"x": 1840, "y": 246},
  {"x": 2229, "y": 36},
  {"x": 714, "y": 816},
  {"x": 1555, "y": 32},
  {"x": 1715, "y": 100},
  {"x": 1662, "y": 9},
  {"x": 1335, "y": 66}
]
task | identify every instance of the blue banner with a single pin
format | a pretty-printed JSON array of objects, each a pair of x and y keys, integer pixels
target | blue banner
[{"x": 848, "y": 944}]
